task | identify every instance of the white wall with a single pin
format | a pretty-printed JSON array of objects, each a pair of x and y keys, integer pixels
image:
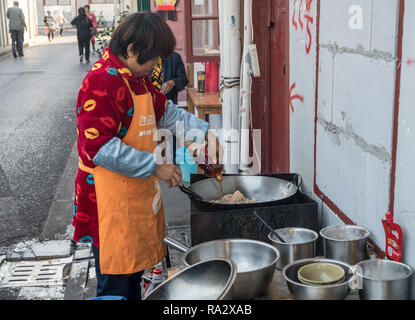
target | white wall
[
  {"x": 356, "y": 92},
  {"x": 405, "y": 173}
]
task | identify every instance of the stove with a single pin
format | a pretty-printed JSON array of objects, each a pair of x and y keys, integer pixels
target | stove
[{"x": 301, "y": 211}]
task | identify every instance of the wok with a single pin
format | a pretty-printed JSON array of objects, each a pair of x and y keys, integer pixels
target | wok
[
  {"x": 267, "y": 191},
  {"x": 255, "y": 261},
  {"x": 207, "y": 280}
]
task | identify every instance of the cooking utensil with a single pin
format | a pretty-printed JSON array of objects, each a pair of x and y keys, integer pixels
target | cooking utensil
[
  {"x": 300, "y": 244},
  {"x": 301, "y": 291},
  {"x": 383, "y": 280},
  {"x": 345, "y": 243},
  {"x": 207, "y": 280},
  {"x": 255, "y": 262},
  {"x": 274, "y": 233},
  {"x": 190, "y": 193},
  {"x": 267, "y": 191},
  {"x": 320, "y": 273}
]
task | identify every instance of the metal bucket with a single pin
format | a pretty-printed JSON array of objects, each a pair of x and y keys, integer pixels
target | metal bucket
[
  {"x": 300, "y": 244},
  {"x": 345, "y": 243},
  {"x": 383, "y": 280}
]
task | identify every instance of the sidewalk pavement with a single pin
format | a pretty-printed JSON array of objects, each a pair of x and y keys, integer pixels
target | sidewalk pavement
[
  {"x": 40, "y": 40},
  {"x": 74, "y": 273}
]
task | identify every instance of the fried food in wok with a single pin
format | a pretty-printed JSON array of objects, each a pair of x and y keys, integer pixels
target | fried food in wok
[{"x": 235, "y": 198}]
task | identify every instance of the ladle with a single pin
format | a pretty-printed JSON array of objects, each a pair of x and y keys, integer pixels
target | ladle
[{"x": 271, "y": 229}]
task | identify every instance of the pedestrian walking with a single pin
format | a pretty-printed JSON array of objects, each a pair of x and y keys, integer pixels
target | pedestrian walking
[
  {"x": 60, "y": 20},
  {"x": 16, "y": 25},
  {"x": 94, "y": 29},
  {"x": 50, "y": 26},
  {"x": 117, "y": 205},
  {"x": 83, "y": 31}
]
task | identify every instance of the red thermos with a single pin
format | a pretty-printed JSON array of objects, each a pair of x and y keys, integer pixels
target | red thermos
[
  {"x": 393, "y": 233},
  {"x": 212, "y": 76}
]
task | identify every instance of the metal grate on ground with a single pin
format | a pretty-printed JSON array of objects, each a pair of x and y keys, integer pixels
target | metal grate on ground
[{"x": 33, "y": 273}]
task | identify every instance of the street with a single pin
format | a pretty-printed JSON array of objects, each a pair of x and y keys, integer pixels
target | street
[{"x": 37, "y": 132}]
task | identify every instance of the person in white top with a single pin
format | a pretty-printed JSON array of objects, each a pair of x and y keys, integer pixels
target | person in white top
[{"x": 60, "y": 20}]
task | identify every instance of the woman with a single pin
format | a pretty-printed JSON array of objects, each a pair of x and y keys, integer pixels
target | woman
[
  {"x": 50, "y": 26},
  {"x": 60, "y": 20},
  {"x": 83, "y": 26},
  {"x": 94, "y": 24},
  {"x": 118, "y": 206}
]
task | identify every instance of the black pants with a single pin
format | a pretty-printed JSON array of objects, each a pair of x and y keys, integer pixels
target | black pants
[
  {"x": 127, "y": 286},
  {"x": 17, "y": 42},
  {"x": 51, "y": 33},
  {"x": 83, "y": 43}
]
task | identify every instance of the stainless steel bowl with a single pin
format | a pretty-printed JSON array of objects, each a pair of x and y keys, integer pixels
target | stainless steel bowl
[
  {"x": 383, "y": 280},
  {"x": 345, "y": 243},
  {"x": 300, "y": 291},
  {"x": 255, "y": 262},
  {"x": 207, "y": 280},
  {"x": 300, "y": 244}
]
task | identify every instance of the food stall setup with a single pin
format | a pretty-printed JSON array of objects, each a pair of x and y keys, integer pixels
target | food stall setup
[{"x": 235, "y": 256}]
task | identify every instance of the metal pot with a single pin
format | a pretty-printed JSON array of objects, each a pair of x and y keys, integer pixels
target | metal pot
[
  {"x": 300, "y": 243},
  {"x": 267, "y": 191},
  {"x": 300, "y": 291},
  {"x": 345, "y": 243},
  {"x": 255, "y": 262},
  {"x": 383, "y": 280},
  {"x": 207, "y": 280}
]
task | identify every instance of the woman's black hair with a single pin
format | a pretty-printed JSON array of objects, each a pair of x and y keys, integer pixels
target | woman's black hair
[
  {"x": 149, "y": 35},
  {"x": 81, "y": 11}
]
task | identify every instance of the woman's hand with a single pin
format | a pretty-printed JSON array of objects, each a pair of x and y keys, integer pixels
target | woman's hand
[
  {"x": 167, "y": 86},
  {"x": 170, "y": 174}
]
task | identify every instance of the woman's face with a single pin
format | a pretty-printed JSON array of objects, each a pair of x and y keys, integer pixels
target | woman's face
[{"x": 137, "y": 69}]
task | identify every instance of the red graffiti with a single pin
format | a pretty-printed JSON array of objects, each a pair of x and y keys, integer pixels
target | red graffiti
[
  {"x": 293, "y": 19},
  {"x": 409, "y": 62},
  {"x": 307, "y": 17},
  {"x": 294, "y": 97}
]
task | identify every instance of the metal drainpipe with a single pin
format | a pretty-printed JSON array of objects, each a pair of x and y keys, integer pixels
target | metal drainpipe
[{"x": 230, "y": 44}]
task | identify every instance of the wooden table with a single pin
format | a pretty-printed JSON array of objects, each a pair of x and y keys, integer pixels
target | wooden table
[{"x": 205, "y": 103}]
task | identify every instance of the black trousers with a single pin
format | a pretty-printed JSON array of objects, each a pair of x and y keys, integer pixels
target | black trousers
[
  {"x": 123, "y": 285},
  {"x": 17, "y": 42},
  {"x": 84, "y": 43}
]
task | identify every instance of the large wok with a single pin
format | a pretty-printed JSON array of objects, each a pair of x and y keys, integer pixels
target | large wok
[
  {"x": 255, "y": 261},
  {"x": 267, "y": 191}
]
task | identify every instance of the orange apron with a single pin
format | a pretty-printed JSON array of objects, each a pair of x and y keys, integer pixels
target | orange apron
[{"x": 130, "y": 210}]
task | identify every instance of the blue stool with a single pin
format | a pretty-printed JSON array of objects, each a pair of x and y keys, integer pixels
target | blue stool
[
  {"x": 108, "y": 298},
  {"x": 186, "y": 162}
]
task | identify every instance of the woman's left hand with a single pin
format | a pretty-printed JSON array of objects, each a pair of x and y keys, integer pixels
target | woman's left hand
[{"x": 167, "y": 86}]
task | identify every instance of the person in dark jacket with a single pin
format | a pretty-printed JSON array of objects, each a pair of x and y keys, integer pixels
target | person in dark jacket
[
  {"x": 169, "y": 76},
  {"x": 83, "y": 25}
]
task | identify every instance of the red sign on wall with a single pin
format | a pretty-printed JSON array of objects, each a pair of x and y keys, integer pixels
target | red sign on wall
[{"x": 166, "y": 5}]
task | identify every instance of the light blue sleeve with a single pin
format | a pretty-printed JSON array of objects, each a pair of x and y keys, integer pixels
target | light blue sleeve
[
  {"x": 173, "y": 113},
  {"x": 118, "y": 157}
]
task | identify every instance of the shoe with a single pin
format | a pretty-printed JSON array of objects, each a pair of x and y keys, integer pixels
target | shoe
[
  {"x": 87, "y": 61},
  {"x": 15, "y": 55},
  {"x": 81, "y": 58},
  {"x": 21, "y": 55}
]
